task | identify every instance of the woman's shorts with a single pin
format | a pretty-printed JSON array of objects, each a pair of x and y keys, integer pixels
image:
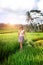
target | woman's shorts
[{"x": 21, "y": 39}]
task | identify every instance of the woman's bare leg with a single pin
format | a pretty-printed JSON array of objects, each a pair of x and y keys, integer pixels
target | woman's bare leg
[{"x": 20, "y": 45}]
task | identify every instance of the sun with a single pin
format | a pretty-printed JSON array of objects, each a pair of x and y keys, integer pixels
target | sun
[{"x": 11, "y": 23}]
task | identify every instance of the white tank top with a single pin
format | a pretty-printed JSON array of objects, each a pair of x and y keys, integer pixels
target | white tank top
[{"x": 22, "y": 33}]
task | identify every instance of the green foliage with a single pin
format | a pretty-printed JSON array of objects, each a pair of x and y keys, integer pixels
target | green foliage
[
  {"x": 8, "y": 45},
  {"x": 29, "y": 55},
  {"x": 26, "y": 57}
]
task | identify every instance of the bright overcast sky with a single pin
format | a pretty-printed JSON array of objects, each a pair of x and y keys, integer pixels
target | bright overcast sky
[{"x": 13, "y": 11}]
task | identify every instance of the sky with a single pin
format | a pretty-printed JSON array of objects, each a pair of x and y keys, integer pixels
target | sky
[{"x": 14, "y": 11}]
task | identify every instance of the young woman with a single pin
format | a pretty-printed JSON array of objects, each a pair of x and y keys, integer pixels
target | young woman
[{"x": 21, "y": 34}]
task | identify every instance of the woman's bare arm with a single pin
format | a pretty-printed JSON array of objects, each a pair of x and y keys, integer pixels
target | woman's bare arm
[{"x": 18, "y": 33}]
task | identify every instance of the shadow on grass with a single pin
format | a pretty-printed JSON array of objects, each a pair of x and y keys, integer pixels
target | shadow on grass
[{"x": 7, "y": 49}]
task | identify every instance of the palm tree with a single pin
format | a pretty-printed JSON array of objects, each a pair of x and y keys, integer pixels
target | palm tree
[
  {"x": 41, "y": 20},
  {"x": 29, "y": 18},
  {"x": 37, "y": 11},
  {"x": 36, "y": 17}
]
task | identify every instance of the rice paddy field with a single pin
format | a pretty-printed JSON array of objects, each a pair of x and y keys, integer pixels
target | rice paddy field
[{"x": 30, "y": 54}]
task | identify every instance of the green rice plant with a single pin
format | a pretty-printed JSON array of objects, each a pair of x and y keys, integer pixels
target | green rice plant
[
  {"x": 29, "y": 55},
  {"x": 7, "y": 46},
  {"x": 26, "y": 57}
]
